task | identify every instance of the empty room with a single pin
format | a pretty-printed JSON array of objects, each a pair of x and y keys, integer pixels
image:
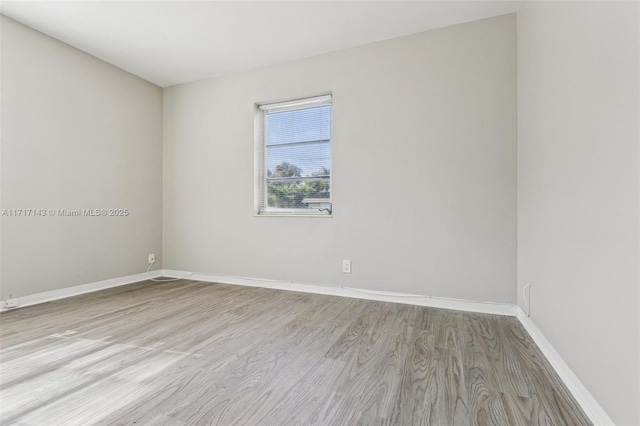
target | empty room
[{"x": 320, "y": 213}]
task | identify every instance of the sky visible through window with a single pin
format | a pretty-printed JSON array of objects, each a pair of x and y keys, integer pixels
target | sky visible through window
[{"x": 292, "y": 127}]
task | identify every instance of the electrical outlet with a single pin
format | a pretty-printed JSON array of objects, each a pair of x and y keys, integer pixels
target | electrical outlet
[
  {"x": 11, "y": 303},
  {"x": 346, "y": 266},
  {"x": 152, "y": 258}
]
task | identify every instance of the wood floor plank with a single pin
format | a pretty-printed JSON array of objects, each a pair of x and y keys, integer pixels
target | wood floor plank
[
  {"x": 486, "y": 405},
  {"x": 190, "y": 352},
  {"x": 416, "y": 393},
  {"x": 510, "y": 376},
  {"x": 448, "y": 330},
  {"x": 456, "y": 408},
  {"x": 483, "y": 391},
  {"x": 519, "y": 409}
]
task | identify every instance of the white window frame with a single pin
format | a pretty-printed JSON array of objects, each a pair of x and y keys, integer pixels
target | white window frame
[{"x": 260, "y": 154}]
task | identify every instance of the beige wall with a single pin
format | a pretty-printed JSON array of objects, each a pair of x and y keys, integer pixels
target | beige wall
[
  {"x": 424, "y": 168},
  {"x": 76, "y": 133},
  {"x": 578, "y": 189}
]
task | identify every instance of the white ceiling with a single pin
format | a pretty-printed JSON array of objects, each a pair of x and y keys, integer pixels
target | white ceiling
[{"x": 173, "y": 42}]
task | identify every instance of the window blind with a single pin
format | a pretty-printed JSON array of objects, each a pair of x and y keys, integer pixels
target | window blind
[{"x": 295, "y": 158}]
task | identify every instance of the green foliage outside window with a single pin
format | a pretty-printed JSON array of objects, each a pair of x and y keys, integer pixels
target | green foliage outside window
[{"x": 290, "y": 193}]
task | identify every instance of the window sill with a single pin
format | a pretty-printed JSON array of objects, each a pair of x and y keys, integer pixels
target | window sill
[{"x": 321, "y": 216}]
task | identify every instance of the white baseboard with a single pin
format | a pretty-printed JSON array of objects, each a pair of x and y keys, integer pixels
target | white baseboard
[
  {"x": 588, "y": 403},
  {"x": 383, "y": 296},
  {"x": 62, "y": 293}
]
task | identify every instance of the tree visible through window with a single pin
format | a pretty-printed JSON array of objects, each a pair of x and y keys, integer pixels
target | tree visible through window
[{"x": 296, "y": 157}]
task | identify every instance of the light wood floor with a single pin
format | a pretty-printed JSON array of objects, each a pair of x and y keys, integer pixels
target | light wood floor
[{"x": 200, "y": 353}]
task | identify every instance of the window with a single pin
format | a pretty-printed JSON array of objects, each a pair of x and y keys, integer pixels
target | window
[{"x": 294, "y": 157}]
